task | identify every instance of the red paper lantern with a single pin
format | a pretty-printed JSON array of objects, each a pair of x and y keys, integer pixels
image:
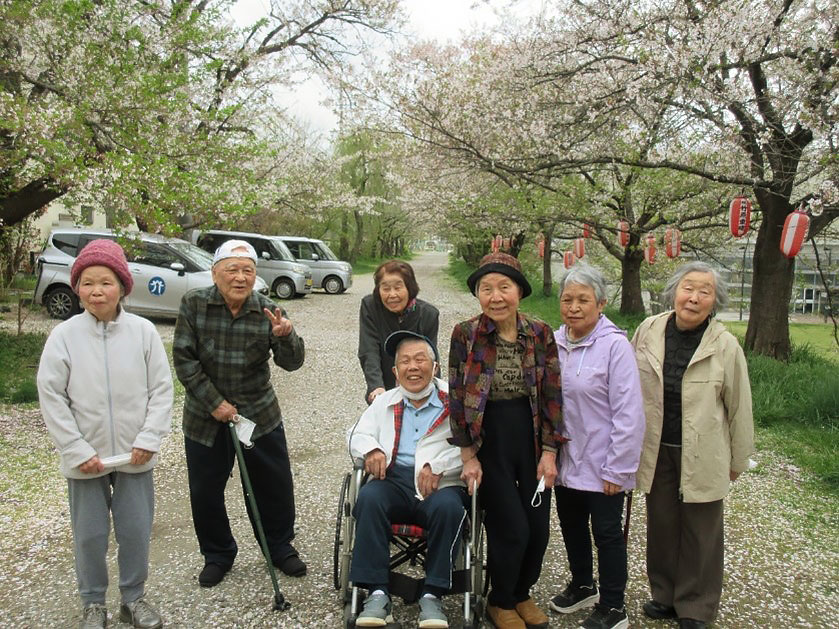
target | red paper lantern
[
  {"x": 650, "y": 239},
  {"x": 672, "y": 242},
  {"x": 541, "y": 247},
  {"x": 568, "y": 259},
  {"x": 795, "y": 231},
  {"x": 579, "y": 247},
  {"x": 586, "y": 230},
  {"x": 649, "y": 253},
  {"x": 505, "y": 244},
  {"x": 739, "y": 216},
  {"x": 496, "y": 243},
  {"x": 623, "y": 233}
]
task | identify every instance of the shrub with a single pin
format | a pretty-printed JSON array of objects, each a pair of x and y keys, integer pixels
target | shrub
[{"x": 19, "y": 365}]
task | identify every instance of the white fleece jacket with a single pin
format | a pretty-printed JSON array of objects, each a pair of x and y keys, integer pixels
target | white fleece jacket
[
  {"x": 375, "y": 430},
  {"x": 105, "y": 388}
]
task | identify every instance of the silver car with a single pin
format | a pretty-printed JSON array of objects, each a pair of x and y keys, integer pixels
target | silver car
[
  {"x": 163, "y": 270},
  {"x": 328, "y": 272}
]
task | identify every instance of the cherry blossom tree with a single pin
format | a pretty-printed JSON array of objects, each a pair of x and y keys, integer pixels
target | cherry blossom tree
[{"x": 159, "y": 110}]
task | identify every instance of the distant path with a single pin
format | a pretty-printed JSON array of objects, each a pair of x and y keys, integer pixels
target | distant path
[{"x": 782, "y": 559}]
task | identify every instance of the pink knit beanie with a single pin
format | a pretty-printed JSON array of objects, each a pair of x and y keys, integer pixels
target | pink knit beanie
[{"x": 103, "y": 252}]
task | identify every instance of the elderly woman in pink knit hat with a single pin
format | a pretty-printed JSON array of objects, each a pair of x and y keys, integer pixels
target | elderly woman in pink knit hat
[{"x": 105, "y": 391}]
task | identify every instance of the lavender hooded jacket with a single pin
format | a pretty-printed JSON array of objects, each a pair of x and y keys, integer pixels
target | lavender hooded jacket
[{"x": 603, "y": 410}]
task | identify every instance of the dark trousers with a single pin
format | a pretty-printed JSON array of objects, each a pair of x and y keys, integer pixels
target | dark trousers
[
  {"x": 517, "y": 533},
  {"x": 684, "y": 544},
  {"x": 574, "y": 508},
  {"x": 270, "y": 474},
  {"x": 393, "y": 500}
]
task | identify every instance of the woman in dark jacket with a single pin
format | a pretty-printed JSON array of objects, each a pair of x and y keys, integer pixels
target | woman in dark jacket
[{"x": 392, "y": 306}]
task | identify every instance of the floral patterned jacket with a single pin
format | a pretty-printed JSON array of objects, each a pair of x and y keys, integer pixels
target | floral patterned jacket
[{"x": 472, "y": 357}]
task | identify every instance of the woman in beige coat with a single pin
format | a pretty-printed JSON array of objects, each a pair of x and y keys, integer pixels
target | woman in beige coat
[{"x": 698, "y": 406}]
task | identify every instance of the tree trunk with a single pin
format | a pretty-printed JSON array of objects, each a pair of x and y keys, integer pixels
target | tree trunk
[
  {"x": 547, "y": 274},
  {"x": 773, "y": 277},
  {"x": 631, "y": 300},
  {"x": 359, "y": 236},
  {"x": 344, "y": 240},
  {"x": 32, "y": 197}
]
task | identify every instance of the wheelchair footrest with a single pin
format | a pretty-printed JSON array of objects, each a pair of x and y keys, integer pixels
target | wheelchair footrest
[{"x": 407, "y": 588}]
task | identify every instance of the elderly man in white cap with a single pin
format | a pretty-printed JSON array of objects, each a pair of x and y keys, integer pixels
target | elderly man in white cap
[{"x": 224, "y": 337}]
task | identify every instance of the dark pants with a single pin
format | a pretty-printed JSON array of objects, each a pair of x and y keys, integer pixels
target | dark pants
[
  {"x": 393, "y": 500},
  {"x": 270, "y": 474},
  {"x": 684, "y": 544},
  {"x": 517, "y": 533},
  {"x": 574, "y": 508}
]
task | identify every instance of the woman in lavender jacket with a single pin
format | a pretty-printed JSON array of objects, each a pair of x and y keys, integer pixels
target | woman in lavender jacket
[{"x": 604, "y": 422}]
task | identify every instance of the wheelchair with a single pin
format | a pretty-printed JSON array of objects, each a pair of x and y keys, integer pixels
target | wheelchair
[{"x": 408, "y": 546}]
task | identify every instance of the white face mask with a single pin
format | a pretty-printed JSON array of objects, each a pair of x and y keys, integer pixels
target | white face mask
[{"x": 428, "y": 390}]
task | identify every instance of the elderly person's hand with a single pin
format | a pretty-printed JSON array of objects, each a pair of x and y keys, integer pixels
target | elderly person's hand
[
  {"x": 225, "y": 412},
  {"x": 374, "y": 394},
  {"x": 280, "y": 326},
  {"x": 92, "y": 466},
  {"x": 472, "y": 472},
  {"x": 547, "y": 468},
  {"x": 140, "y": 456},
  {"x": 610, "y": 489},
  {"x": 428, "y": 481},
  {"x": 375, "y": 464}
]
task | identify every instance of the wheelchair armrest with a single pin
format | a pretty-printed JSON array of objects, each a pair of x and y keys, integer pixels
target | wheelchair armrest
[{"x": 357, "y": 463}]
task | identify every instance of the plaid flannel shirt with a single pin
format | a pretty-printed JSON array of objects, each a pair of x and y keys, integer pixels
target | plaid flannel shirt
[
  {"x": 221, "y": 357},
  {"x": 472, "y": 357}
]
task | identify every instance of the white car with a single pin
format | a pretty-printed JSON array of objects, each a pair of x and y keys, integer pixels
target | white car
[{"x": 163, "y": 270}]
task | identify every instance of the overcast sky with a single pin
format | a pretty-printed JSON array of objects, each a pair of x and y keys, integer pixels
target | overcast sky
[{"x": 440, "y": 20}]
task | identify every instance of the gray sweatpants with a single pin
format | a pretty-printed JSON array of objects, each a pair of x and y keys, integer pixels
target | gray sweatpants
[{"x": 130, "y": 498}]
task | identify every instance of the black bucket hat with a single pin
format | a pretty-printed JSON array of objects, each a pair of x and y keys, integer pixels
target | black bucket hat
[
  {"x": 395, "y": 338},
  {"x": 502, "y": 263}
]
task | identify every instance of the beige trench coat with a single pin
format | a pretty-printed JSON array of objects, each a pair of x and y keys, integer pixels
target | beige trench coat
[{"x": 717, "y": 427}]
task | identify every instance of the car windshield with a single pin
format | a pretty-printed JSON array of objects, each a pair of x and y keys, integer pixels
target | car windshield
[
  {"x": 324, "y": 251},
  {"x": 196, "y": 255},
  {"x": 280, "y": 251}
]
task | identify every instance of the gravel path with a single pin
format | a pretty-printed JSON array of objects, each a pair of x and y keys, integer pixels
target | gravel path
[{"x": 782, "y": 559}]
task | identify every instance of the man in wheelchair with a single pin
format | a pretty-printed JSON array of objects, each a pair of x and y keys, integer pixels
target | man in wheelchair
[{"x": 414, "y": 478}]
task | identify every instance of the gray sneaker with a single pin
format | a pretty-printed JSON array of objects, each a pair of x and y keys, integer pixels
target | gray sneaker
[
  {"x": 140, "y": 614},
  {"x": 94, "y": 616},
  {"x": 431, "y": 614},
  {"x": 376, "y": 612}
]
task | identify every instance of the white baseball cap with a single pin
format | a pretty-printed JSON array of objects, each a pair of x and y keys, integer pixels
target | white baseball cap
[{"x": 228, "y": 248}]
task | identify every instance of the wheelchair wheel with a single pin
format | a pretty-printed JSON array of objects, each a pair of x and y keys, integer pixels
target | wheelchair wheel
[{"x": 337, "y": 566}]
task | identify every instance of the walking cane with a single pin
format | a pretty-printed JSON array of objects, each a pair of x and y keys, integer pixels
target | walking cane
[
  {"x": 628, "y": 513},
  {"x": 280, "y": 603}
]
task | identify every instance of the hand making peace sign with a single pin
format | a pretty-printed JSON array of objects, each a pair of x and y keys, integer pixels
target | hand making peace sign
[{"x": 280, "y": 326}]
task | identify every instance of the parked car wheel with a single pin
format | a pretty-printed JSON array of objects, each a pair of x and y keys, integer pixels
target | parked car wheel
[
  {"x": 333, "y": 285},
  {"x": 62, "y": 303},
  {"x": 283, "y": 288}
]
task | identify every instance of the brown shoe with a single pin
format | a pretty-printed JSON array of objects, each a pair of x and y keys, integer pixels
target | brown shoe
[
  {"x": 532, "y": 616},
  {"x": 504, "y": 618}
]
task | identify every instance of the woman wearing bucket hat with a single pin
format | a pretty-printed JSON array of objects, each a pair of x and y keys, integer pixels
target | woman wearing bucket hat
[
  {"x": 105, "y": 391},
  {"x": 504, "y": 388},
  {"x": 392, "y": 306}
]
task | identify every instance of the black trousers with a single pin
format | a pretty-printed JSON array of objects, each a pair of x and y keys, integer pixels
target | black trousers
[
  {"x": 574, "y": 508},
  {"x": 209, "y": 468},
  {"x": 517, "y": 533}
]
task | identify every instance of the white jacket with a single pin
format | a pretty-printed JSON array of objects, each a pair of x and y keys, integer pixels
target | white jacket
[
  {"x": 375, "y": 430},
  {"x": 105, "y": 388}
]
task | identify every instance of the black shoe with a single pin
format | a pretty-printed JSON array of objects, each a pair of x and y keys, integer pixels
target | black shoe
[
  {"x": 212, "y": 574},
  {"x": 575, "y": 597},
  {"x": 657, "y": 610},
  {"x": 293, "y": 566},
  {"x": 604, "y": 617},
  {"x": 691, "y": 623}
]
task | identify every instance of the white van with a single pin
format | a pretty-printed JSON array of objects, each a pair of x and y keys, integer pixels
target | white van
[{"x": 328, "y": 272}]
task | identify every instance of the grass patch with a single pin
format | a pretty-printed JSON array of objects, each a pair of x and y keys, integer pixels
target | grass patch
[
  {"x": 818, "y": 336},
  {"x": 19, "y": 365}
]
